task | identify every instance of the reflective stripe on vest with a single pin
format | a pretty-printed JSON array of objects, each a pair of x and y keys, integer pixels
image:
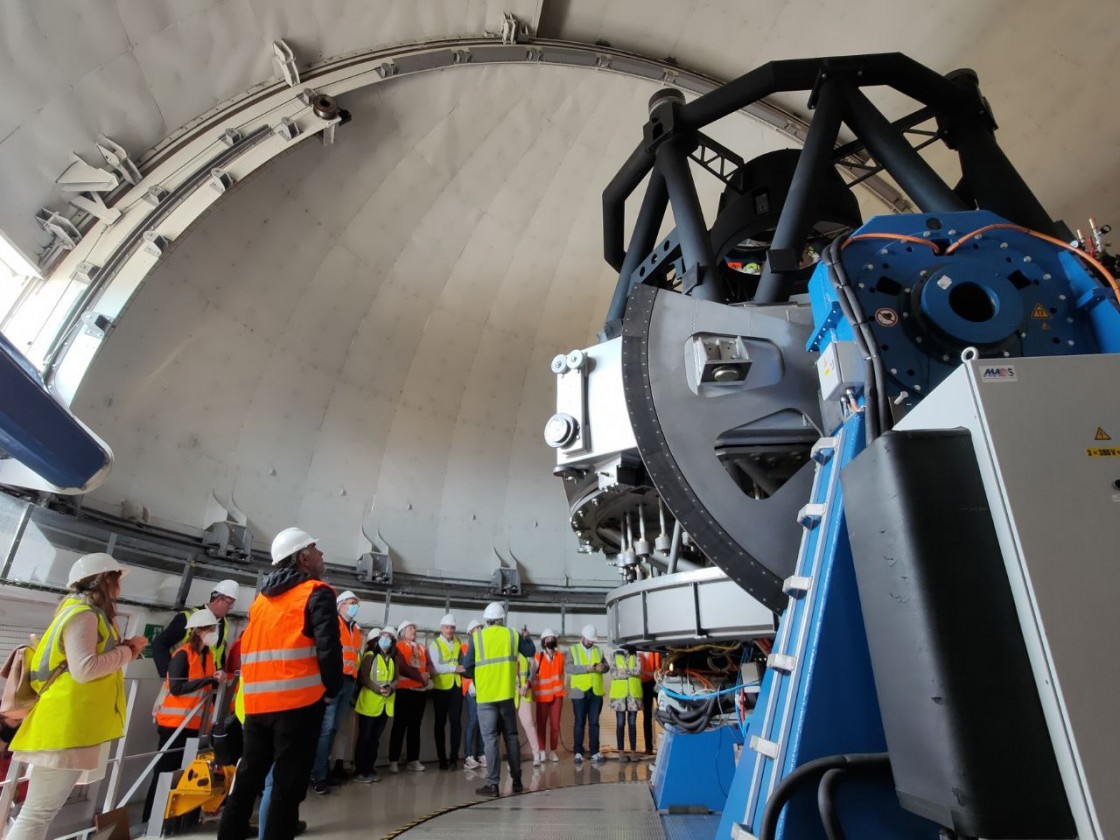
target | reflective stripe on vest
[
  {"x": 370, "y": 703},
  {"x": 69, "y": 713},
  {"x": 548, "y": 682},
  {"x": 587, "y": 682},
  {"x": 413, "y": 653},
  {"x": 279, "y": 664},
  {"x": 449, "y": 655},
  {"x": 495, "y": 664},
  {"x": 351, "y": 637},
  {"x": 628, "y": 686},
  {"x": 175, "y": 708}
]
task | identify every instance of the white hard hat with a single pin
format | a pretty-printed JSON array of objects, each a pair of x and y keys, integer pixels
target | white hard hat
[
  {"x": 547, "y": 633},
  {"x": 202, "y": 618},
  {"x": 228, "y": 588},
  {"x": 345, "y": 596},
  {"x": 493, "y": 611},
  {"x": 588, "y": 632},
  {"x": 474, "y": 625},
  {"x": 94, "y": 564},
  {"x": 404, "y": 624},
  {"x": 448, "y": 620},
  {"x": 288, "y": 542},
  {"x": 373, "y": 634}
]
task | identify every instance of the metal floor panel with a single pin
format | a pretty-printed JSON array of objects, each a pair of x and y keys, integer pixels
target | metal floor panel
[
  {"x": 622, "y": 811},
  {"x": 690, "y": 826}
]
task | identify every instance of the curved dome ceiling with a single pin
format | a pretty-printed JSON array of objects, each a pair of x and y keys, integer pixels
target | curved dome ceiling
[{"x": 362, "y": 332}]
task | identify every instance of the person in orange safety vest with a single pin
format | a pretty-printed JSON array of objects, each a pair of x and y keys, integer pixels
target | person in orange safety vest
[
  {"x": 649, "y": 662},
  {"x": 414, "y": 683},
  {"x": 548, "y": 694},
  {"x": 353, "y": 643},
  {"x": 291, "y": 662}
]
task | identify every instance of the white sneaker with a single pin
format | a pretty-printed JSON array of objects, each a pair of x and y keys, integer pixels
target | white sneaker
[
  {"x": 393, "y": 768},
  {"x": 552, "y": 756},
  {"x": 416, "y": 766},
  {"x": 537, "y": 759},
  {"x": 579, "y": 758},
  {"x": 470, "y": 763},
  {"x": 482, "y": 761},
  {"x": 598, "y": 757}
]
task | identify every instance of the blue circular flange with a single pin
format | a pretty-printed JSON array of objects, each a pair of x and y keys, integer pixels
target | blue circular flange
[{"x": 946, "y": 289}]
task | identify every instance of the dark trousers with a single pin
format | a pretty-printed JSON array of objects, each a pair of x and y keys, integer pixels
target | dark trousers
[
  {"x": 649, "y": 690},
  {"x": 448, "y": 703},
  {"x": 169, "y": 762},
  {"x": 586, "y": 710},
  {"x": 407, "y": 716},
  {"x": 620, "y": 721},
  {"x": 285, "y": 742},
  {"x": 369, "y": 739}
]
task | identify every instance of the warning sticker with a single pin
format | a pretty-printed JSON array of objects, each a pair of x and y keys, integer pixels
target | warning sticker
[
  {"x": 1040, "y": 313},
  {"x": 886, "y": 317},
  {"x": 1107, "y": 452},
  {"x": 1102, "y": 434}
]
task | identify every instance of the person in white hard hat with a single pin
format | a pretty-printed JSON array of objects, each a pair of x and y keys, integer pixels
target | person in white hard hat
[
  {"x": 222, "y": 598},
  {"x": 191, "y": 680},
  {"x": 291, "y": 663},
  {"x": 586, "y": 667},
  {"x": 491, "y": 660},
  {"x": 548, "y": 693},
  {"x": 413, "y": 683},
  {"x": 77, "y": 671},
  {"x": 447, "y": 690},
  {"x": 339, "y": 711},
  {"x": 472, "y": 735},
  {"x": 377, "y": 678}
]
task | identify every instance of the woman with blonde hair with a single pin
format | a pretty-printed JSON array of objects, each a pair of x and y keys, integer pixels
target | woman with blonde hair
[{"x": 77, "y": 669}]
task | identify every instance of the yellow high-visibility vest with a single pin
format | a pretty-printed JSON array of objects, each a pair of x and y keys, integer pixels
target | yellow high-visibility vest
[
  {"x": 495, "y": 664},
  {"x": 626, "y": 686},
  {"x": 370, "y": 703},
  {"x": 450, "y": 653},
  {"x": 592, "y": 682},
  {"x": 70, "y": 713}
]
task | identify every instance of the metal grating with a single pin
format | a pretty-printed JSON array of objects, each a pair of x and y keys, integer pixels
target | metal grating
[
  {"x": 690, "y": 826},
  {"x": 622, "y": 811}
]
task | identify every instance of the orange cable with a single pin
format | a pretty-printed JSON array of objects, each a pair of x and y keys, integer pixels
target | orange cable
[
  {"x": 1104, "y": 272},
  {"x": 897, "y": 237}
]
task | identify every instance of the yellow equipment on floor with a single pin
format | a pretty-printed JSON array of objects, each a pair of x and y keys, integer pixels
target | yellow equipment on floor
[{"x": 204, "y": 784}]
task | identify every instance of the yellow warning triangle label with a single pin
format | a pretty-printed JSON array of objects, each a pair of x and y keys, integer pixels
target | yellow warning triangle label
[
  {"x": 1102, "y": 434},
  {"x": 1039, "y": 312}
]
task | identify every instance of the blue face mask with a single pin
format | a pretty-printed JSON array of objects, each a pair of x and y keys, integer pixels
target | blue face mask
[
  {"x": 352, "y": 611},
  {"x": 384, "y": 643}
]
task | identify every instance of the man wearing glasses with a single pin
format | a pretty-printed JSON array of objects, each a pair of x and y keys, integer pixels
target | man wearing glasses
[{"x": 222, "y": 599}]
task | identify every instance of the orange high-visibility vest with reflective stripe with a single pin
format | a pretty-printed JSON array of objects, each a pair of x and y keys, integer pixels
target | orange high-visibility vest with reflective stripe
[
  {"x": 649, "y": 662},
  {"x": 352, "y": 645},
  {"x": 415, "y": 654},
  {"x": 279, "y": 665},
  {"x": 548, "y": 683},
  {"x": 175, "y": 708},
  {"x": 466, "y": 681}
]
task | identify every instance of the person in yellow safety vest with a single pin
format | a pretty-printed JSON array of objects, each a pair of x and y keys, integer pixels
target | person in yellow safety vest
[
  {"x": 447, "y": 691},
  {"x": 586, "y": 668},
  {"x": 525, "y": 711},
  {"x": 625, "y": 696},
  {"x": 191, "y": 680},
  {"x": 472, "y": 735},
  {"x": 340, "y": 706},
  {"x": 291, "y": 660},
  {"x": 491, "y": 661},
  {"x": 222, "y": 599},
  {"x": 377, "y": 692},
  {"x": 77, "y": 671}
]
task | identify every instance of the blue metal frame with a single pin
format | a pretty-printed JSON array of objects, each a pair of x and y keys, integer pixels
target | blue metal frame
[{"x": 695, "y": 770}]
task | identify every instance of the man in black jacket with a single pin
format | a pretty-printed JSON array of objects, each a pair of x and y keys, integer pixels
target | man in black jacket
[
  {"x": 221, "y": 602},
  {"x": 284, "y": 713}
]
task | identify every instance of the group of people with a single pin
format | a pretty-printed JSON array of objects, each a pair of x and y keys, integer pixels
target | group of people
[{"x": 304, "y": 669}]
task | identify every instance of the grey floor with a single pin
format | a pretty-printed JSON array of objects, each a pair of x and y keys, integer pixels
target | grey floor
[{"x": 564, "y": 801}]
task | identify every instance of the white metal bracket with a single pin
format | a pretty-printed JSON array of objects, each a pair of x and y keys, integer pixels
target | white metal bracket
[
  {"x": 61, "y": 228},
  {"x": 220, "y": 180},
  {"x": 82, "y": 184},
  {"x": 154, "y": 243},
  {"x": 118, "y": 158},
  {"x": 286, "y": 128},
  {"x": 796, "y": 585},
  {"x": 764, "y": 747},
  {"x": 823, "y": 450},
  {"x": 85, "y": 273},
  {"x": 783, "y": 663},
  {"x": 810, "y": 516},
  {"x": 285, "y": 61}
]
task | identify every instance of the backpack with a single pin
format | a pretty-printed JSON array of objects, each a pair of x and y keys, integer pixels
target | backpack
[{"x": 18, "y": 697}]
